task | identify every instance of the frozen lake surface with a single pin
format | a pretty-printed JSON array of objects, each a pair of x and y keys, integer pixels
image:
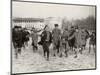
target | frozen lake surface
[{"x": 30, "y": 61}]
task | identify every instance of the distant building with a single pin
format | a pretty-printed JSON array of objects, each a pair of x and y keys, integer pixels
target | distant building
[
  {"x": 38, "y": 23},
  {"x": 28, "y": 22}
]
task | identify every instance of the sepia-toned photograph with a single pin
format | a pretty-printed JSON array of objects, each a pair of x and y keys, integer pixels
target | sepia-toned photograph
[{"x": 52, "y": 37}]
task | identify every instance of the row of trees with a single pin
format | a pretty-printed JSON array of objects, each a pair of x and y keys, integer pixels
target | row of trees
[{"x": 87, "y": 23}]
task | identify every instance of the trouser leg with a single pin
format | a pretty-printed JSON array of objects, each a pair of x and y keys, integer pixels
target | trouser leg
[
  {"x": 94, "y": 48},
  {"x": 66, "y": 52},
  {"x": 89, "y": 48},
  {"x": 33, "y": 46},
  {"x": 36, "y": 47},
  {"x": 46, "y": 49},
  {"x": 58, "y": 50},
  {"x": 66, "y": 49},
  {"x": 61, "y": 50},
  {"x": 75, "y": 50},
  {"x": 16, "y": 49},
  {"x": 54, "y": 49},
  {"x": 48, "y": 54},
  {"x": 57, "y": 46},
  {"x": 19, "y": 50},
  {"x": 16, "y": 53}
]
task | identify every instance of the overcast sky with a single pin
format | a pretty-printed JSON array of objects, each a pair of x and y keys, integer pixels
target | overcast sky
[{"x": 42, "y": 10}]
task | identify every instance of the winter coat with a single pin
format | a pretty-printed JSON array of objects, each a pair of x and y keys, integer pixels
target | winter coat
[
  {"x": 79, "y": 38},
  {"x": 34, "y": 38},
  {"x": 17, "y": 38},
  {"x": 44, "y": 37},
  {"x": 56, "y": 35}
]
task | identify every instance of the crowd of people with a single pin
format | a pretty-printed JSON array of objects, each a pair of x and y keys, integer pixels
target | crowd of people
[{"x": 73, "y": 39}]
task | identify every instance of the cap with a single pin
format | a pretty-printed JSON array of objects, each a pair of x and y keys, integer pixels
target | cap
[
  {"x": 15, "y": 26},
  {"x": 56, "y": 25}
]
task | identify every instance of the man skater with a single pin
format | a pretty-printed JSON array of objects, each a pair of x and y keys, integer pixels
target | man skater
[
  {"x": 92, "y": 41},
  {"x": 64, "y": 42},
  {"x": 34, "y": 37},
  {"x": 72, "y": 40},
  {"x": 83, "y": 36},
  {"x": 17, "y": 39},
  {"x": 78, "y": 41},
  {"x": 56, "y": 34},
  {"x": 25, "y": 37},
  {"x": 46, "y": 39}
]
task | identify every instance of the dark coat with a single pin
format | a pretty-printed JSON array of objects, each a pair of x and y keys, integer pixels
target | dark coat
[
  {"x": 92, "y": 39},
  {"x": 25, "y": 37},
  {"x": 44, "y": 37},
  {"x": 79, "y": 39},
  {"x": 17, "y": 38},
  {"x": 34, "y": 37},
  {"x": 71, "y": 41}
]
